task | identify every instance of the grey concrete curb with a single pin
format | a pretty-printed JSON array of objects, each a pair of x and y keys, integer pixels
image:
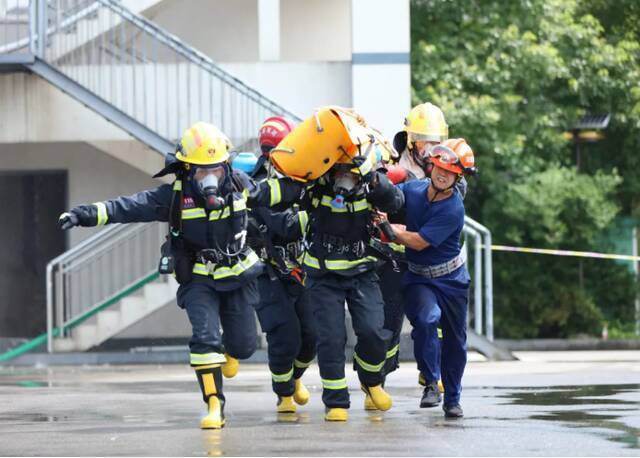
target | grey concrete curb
[{"x": 569, "y": 344}]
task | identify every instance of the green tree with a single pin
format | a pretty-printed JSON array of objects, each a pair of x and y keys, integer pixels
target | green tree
[{"x": 511, "y": 77}]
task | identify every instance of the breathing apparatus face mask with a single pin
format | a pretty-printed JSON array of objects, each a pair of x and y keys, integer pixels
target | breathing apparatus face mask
[
  {"x": 344, "y": 182},
  {"x": 421, "y": 150},
  {"x": 208, "y": 181}
]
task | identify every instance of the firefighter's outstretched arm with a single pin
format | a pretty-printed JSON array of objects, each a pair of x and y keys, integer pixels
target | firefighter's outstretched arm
[
  {"x": 384, "y": 195},
  {"x": 142, "y": 207},
  {"x": 274, "y": 191}
]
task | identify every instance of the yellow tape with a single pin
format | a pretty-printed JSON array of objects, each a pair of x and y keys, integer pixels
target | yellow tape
[{"x": 580, "y": 254}]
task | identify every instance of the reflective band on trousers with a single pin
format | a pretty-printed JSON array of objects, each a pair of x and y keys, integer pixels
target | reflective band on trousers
[
  {"x": 336, "y": 264},
  {"x": 220, "y": 272},
  {"x": 339, "y": 384},
  {"x": 275, "y": 193},
  {"x": 282, "y": 377},
  {"x": 366, "y": 366},
  {"x": 102, "y": 213},
  {"x": 198, "y": 359},
  {"x": 301, "y": 364},
  {"x": 391, "y": 353}
]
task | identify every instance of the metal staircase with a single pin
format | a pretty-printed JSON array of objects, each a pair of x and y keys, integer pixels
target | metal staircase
[{"x": 151, "y": 85}]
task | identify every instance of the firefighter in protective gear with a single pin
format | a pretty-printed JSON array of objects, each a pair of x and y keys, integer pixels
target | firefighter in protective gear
[
  {"x": 340, "y": 268},
  {"x": 424, "y": 127},
  {"x": 437, "y": 282},
  {"x": 205, "y": 248},
  {"x": 331, "y": 134},
  {"x": 271, "y": 133},
  {"x": 283, "y": 310}
]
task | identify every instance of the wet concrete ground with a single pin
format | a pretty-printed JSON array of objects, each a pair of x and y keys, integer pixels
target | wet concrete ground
[{"x": 567, "y": 404}]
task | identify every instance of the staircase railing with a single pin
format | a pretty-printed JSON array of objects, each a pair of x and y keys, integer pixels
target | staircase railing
[
  {"x": 98, "y": 269},
  {"x": 141, "y": 69},
  {"x": 153, "y": 76},
  {"x": 482, "y": 280}
]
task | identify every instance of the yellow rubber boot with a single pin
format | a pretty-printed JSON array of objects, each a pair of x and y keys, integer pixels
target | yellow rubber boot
[
  {"x": 368, "y": 403},
  {"x": 286, "y": 405},
  {"x": 230, "y": 368},
  {"x": 210, "y": 381},
  {"x": 336, "y": 414},
  {"x": 379, "y": 397},
  {"x": 215, "y": 418},
  {"x": 301, "y": 394}
]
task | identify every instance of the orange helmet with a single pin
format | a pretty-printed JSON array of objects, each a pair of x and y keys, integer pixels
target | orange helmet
[{"x": 454, "y": 155}]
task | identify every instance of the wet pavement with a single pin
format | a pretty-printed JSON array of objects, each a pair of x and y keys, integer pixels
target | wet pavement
[{"x": 556, "y": 403}]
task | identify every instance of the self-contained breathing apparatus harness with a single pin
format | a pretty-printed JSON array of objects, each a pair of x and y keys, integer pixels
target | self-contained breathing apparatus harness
[
  {"x": 312, "y": 196},
  {"x": 183, "y": 265}
]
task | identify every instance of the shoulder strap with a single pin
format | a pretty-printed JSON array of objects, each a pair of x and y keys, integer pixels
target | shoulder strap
[{"x": 175, "y": 209}]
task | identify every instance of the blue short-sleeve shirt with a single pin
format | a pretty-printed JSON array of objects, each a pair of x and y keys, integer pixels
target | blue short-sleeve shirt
[{"x": 439, "y": 223}]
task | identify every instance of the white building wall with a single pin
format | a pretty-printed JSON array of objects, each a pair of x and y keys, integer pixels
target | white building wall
[
  {"x": 381, "y": 77},
  {"x": 225, "y": 30},
  {"x": 298, "y": 86},
  {"x": 315, "y": 30}
]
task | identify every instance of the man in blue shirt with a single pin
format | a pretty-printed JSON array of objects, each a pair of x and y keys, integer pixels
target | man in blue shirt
[{"x": 436, "y": 285}]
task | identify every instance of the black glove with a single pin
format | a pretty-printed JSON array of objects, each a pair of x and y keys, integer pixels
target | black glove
[
  {"x": 68, "y": 220},
  {"x": 82, "y": 215}
]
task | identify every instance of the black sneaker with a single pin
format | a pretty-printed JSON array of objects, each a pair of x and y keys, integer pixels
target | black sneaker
[
  {"x": 431, "y": 395},
  {"x": 452, "y": 411}
]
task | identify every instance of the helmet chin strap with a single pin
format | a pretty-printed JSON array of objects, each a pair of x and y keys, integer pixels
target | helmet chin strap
[
  {"x": 414, "y": 154},
  {"x": 443, "y": 191}
]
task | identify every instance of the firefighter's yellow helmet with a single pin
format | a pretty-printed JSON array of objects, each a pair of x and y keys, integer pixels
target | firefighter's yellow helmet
[
  {"x": 203, "y": 144},
  {"x": 317, "y": 143},
  {"x": 426, "y": 122}
]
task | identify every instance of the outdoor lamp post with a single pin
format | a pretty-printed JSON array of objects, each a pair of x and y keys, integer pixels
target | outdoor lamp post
[{"x": 587, "y": 130}]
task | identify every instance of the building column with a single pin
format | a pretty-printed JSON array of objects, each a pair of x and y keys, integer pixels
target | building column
[
  {"x": 381, "y": 73},
  {"x": 269, "y": 29}
]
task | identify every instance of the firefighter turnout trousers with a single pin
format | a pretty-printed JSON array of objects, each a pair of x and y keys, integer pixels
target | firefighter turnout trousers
[
  {"x": 285, "y": 316},
  {"x": 208, "y": 309},
  {"x": 430, "y": 303},
  {"x": 390, "y": 281},
  {"x": 327, "y": 295}
]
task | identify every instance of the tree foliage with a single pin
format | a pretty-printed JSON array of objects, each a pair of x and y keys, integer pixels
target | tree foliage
[{"x": 511, "y": 77}]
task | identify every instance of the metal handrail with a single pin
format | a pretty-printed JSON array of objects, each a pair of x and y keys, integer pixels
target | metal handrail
[
  {"x": 82, "y": 280},
  {"x": 196, "y": 56},
  {"x": 488, "y": 273},
  {"x": 477, "y": 277}
]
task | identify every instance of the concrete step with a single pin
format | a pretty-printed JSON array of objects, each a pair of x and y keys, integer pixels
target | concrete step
[
  {"x": 109, "y": 322},
  {"x": 84, "y": 336},
  {"x": 64, "y": 345},
  {"x": 133, "y": 309},
  {"x": 114, "y": 320},
  {"x": 158, "y": 293}
]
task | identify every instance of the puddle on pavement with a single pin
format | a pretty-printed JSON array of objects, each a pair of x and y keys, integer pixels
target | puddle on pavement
[
  {"x": 26, "y": 418},
  {"x": 605, "y": 414}
]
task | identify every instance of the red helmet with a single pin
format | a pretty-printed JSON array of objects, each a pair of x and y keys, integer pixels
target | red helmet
[{"x": 272, "y": 132}]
